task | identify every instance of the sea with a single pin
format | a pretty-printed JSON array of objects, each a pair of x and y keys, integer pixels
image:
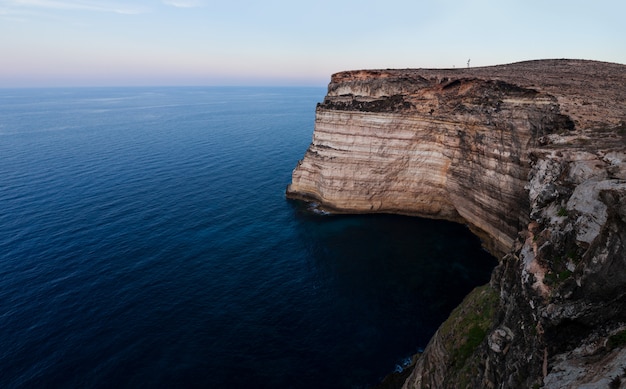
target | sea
[{"x": 146, "y": 242}]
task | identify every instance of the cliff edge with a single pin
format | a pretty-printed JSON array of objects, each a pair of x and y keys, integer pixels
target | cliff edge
[{"x": 531, "y": 156}]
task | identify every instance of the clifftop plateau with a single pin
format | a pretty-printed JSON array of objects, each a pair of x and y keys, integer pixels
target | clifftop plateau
[
  {"x": 531, "y": 156},
  {"x": 590, "y": 92}
]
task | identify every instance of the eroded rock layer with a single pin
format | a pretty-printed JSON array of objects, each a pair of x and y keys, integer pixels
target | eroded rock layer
[
  {"x": 428, "y": 144},
  {"x": 531, "y": 157}
]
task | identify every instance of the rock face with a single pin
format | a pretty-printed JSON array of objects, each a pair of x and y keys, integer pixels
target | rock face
[{"x": 532, "y": 157}]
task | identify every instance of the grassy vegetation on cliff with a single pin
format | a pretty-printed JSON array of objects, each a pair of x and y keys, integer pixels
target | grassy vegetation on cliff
[{"x": 466, "y": 329}]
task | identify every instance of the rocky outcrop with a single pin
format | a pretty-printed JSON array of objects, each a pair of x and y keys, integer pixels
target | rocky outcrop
[{"x": 531, "y": 157}]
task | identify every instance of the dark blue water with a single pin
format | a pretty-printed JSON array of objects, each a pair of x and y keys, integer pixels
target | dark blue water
[{"x": 145, "y": 241}]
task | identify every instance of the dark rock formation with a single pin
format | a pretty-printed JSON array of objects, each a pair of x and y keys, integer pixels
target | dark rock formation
[{"x": 530, "y": 156}]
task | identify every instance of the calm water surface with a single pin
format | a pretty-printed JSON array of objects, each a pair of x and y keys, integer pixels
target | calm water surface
[{"x": 145, "y": 241}]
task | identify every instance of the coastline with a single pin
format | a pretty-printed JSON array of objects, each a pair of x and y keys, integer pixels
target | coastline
[{"x": 526, "y": 155}]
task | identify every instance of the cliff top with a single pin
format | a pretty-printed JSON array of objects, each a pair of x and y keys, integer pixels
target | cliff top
[{"x": 589, "y": 92}]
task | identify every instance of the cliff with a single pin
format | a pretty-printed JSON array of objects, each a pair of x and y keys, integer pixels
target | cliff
[{"x": 531, "y": 157}]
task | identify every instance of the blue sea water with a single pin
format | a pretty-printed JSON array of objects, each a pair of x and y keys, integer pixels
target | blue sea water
[{"x": 145, "y": 241}]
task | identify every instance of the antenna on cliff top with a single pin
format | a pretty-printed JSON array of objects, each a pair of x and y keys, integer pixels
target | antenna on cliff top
[{"x": 468, "y": 61}]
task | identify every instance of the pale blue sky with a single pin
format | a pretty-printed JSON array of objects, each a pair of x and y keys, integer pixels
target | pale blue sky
[{"x": 280, "y": 42}]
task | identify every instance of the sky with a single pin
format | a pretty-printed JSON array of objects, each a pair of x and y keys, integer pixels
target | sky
[{"x": 48, "y": 43}]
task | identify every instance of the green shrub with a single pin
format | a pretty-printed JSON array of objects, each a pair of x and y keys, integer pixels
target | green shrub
[
  {"x": 553, "y": 278},
  {"x": 564, "y": 274},
  {"x": 549, "y": 278},
  {"x": 617, "y": 340}
]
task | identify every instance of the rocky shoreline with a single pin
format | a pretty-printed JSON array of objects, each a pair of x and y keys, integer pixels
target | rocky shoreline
[{"x": 531, "y": 156}]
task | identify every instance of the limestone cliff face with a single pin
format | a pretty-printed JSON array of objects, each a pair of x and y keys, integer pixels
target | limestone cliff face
[
  {"x": 436, "y": 147},
  {"x": 531, "y": 157}
]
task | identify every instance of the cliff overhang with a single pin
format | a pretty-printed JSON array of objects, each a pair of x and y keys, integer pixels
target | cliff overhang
[{"x": 531, "y": 157}]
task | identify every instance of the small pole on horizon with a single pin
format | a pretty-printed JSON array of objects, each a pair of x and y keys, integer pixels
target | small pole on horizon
[{"x": 468, "y": 61}]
